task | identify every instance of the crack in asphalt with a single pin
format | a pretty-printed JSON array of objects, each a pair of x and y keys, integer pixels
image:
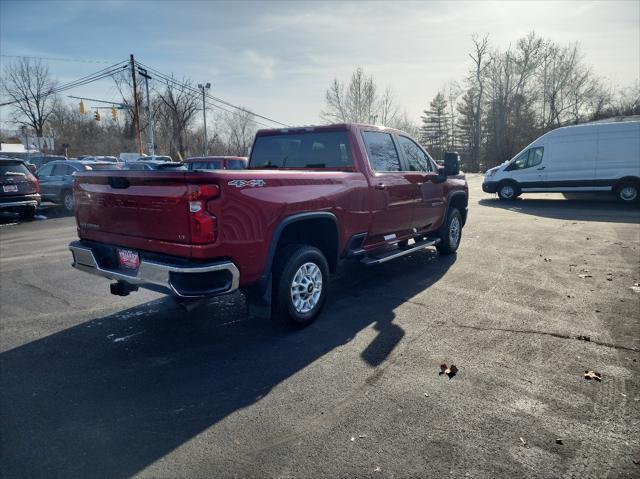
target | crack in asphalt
[{"x": 546, "y": 333}]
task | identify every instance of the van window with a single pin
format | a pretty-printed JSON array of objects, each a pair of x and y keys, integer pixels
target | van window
[{"x": 530, "y": 158}]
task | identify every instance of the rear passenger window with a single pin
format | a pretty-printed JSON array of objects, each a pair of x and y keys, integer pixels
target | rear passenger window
[
  {"x": 381, "y": 151},
  {"x": 60, "y": 170}
]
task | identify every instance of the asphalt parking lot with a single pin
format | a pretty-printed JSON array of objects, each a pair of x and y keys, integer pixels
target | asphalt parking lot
[{"x": 94, "y": 385}]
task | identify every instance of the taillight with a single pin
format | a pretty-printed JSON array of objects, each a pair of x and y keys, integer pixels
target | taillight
[
  {"x": 203, "y": 224},
  {"x": 34, "y": 182}
]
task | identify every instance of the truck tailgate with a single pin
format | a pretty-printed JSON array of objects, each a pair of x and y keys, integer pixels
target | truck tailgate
[{"x": 149, "y": 205}]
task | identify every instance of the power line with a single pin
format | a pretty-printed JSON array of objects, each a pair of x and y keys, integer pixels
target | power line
[
  {"x": 99, "y": 75},
  {"x": 77, "y": 60},
  {"x": 211, "y": 97}
]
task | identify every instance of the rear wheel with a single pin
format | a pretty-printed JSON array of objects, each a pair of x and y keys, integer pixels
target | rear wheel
[
  {"x": 301, "y": 277},
  {"x": 508, "y": 191},
  {"x": 67, "y": 201},
  {"x": 627, "y": 192},
  {"x": 451, "y": 233}
]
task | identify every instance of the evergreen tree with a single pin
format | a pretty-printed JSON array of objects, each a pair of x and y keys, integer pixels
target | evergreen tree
[{"x": 435, "y": 126}]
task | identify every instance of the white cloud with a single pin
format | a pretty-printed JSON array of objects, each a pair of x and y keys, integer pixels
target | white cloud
[{"x": 260, "y": 65}]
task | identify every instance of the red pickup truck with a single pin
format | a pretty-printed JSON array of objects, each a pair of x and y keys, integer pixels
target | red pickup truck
[{"x": 310, "y": 197}]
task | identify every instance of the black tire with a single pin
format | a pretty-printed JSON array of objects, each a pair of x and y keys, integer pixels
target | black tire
[
  {"x": 628, "y": 192},
  {"x": 508, "y": 190},
  {"x": 287, "y": 263},
  {"x": 27, "y": 213},
  {"x": 448, "y": 244},
  {"x": 67, "y": 201}
]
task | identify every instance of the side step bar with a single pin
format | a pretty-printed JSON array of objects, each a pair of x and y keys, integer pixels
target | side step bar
[{"x": 396, "y": 253}]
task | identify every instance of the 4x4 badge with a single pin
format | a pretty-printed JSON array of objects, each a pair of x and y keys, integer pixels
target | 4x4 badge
[{"x": 243, "y": 183}]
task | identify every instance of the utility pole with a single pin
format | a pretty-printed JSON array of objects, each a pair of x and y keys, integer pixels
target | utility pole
[
  {"x": 150, "y": 148},
  {"x": 136, "y": 113},
  {"x": 202, "y": 87}
]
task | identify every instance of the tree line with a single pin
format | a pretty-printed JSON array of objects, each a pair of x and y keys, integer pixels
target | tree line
[
  {"x": 508, "y": 98},
  {"x": 175, "y": 112}
]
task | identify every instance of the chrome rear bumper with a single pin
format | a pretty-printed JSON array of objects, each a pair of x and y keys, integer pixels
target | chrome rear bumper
[{"x": 158, "y": 276}]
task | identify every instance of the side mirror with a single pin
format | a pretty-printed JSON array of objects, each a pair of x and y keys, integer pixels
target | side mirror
[
  {"x": 442, "y": 176},
  {"x": 32, "y": 168},
  {"x": 451, "y": 163}
]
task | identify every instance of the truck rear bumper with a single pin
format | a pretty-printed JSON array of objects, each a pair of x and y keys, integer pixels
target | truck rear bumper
[{"x": 182, "y": 280}]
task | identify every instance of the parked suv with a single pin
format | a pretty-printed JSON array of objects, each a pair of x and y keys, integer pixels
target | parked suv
[
  {"x": 19, "y": 189},
  {"x": 56, "y": 179}
]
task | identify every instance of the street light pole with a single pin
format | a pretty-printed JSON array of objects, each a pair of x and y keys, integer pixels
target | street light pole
[
  {"x": 205, "y": 148},
  {"x": 150, "y": 146}
]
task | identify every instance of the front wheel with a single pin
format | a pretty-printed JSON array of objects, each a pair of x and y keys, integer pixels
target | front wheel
[
  {"x": 627, "y": 192},
  {"x": 508, "y": 191},
  {"x": 301, "y": 278},
  {"x": 451, "y": 233}
]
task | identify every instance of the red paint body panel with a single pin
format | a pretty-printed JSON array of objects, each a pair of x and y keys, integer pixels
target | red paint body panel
[{"x": 150, "y": 210}]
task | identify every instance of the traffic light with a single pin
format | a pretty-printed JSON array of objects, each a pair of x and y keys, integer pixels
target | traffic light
[
  {"x": 97, "y": 115},
  {"x": 114, "y": 113},
  {"x": 82, "y": 110}
]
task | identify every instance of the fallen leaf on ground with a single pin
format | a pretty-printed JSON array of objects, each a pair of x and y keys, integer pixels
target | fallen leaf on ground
[
  {"x": 559, "y": 441},
  {"x": 426, "y": 395},
  {"x": 592, "y": 375},
  {"x": 353, "y": 438},
  {"x": 449, "y": 371},
  {"x": 377, "y": 469}
]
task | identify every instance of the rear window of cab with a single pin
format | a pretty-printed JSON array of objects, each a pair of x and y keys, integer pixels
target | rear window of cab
[{"x": 312, "y": 149}]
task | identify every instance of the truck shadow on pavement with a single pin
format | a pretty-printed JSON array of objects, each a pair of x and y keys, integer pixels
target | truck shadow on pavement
[
  {"x": 603, "y": 210},
  {"x": 113, "y": 395}
]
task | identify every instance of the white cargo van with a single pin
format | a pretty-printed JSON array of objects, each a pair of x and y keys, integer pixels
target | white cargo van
[{"x": 590, "y": 157}]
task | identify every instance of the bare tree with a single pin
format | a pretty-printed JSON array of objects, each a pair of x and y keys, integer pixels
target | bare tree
[
  {"x": 359, "y": 101},
  {"x": 453, "y": 93},
  {"x": 176, "y": 106},
  {"x": 479, "y": 58},
  {"x": 238, "y": 129},
  {"x": 31, "y": 89}
]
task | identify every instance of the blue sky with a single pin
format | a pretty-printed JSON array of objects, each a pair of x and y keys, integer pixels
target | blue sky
[{"x": 278, "y": 58}]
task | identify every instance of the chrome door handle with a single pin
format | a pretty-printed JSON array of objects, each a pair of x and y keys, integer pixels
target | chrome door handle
[
  {"x": 542, "y": 168},
  {"x": 380, "y": 186}
]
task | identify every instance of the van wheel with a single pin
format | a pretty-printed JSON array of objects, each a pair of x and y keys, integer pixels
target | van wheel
[
  {"x": 508, "y": 191},
  {"x": 627, "y": 192},
  {"x": 301, "y": 279},
  {"x": 450, "y": 233}
]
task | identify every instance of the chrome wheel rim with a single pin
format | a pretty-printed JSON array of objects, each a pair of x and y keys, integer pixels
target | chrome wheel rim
[
  {"x": 68, "y": 202},
  {"x": 507, "y": 191},
  {"x": 628, "y": 193},
  {"x": 454, "y": 231},
  {"x": 306, "y": 287}
]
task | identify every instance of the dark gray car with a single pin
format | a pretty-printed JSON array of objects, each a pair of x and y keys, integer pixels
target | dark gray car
[{"x": 56, "y": 179}]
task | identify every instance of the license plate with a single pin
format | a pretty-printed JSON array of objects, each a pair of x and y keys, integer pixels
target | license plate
[
  {"x": 10, "y": 188},
  {"x": 128, "y": 259}
]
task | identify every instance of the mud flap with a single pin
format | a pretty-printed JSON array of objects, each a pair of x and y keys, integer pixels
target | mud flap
[{"x": 259, "y": 300}]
